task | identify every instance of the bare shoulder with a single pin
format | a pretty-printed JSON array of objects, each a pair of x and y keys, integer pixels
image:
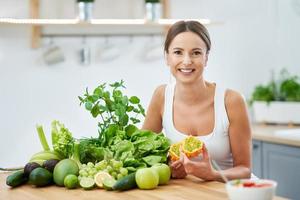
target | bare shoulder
[
  {"x": 232, "y": 98},
  {"x": 160, "y": 90},
  {"x": 153, "y": 120},
  {"x": 235, "y": 104}
]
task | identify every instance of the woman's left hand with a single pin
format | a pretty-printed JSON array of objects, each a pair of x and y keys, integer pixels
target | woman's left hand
[{"x": 202, "y": 168}]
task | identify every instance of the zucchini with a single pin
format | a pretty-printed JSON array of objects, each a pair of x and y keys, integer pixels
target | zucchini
[
  {"x": 16, "y": 179},
  {"x": 126, "y": 183}
]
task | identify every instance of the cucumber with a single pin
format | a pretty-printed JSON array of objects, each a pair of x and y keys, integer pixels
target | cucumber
[
  {"x": 40, "y": 177},
  {"x": 16, "y": 179},
  {"x": 126, "y": 183}
]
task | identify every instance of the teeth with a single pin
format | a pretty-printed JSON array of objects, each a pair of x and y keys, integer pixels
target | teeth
[{"x": 186, "y": 70}]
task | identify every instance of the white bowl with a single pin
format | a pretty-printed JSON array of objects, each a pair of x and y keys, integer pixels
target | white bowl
[{"x": 263, "y": 190}]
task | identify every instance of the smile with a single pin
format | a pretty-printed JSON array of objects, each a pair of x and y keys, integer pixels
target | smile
[{"x": 186, "y": 71}]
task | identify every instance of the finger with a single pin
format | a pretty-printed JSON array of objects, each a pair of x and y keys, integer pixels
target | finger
[
  {"x": 205, "y": 153},
  {"x": 182, "y": 154},
  {"x": 176, "y": 164}
]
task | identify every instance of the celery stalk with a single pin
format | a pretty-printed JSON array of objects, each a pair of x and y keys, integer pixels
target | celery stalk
[
  {"x": 42, "y": 137},
  {"x": 76, "y": 154}
]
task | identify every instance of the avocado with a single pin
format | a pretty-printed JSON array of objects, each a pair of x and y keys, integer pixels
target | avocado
[
  {"x": 40, "y": 177},
  {"x": 29, "y": 167},
  {"x": 126, "y": 183},
  {"x": 50, "y": 164},
  {"x": 16, "y": 179}
]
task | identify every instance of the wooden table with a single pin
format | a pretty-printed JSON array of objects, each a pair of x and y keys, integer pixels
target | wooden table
[{"x": 177, "y": 189}]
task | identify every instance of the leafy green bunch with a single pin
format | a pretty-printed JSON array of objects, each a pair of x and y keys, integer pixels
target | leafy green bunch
[
  {"x": 286, "y": 88},
  {"x": 86, "y": 1},
  {"x": 135, "y": 148},
  {"x": 152, "y": 1},
  {"x": 112, "y": 106}
]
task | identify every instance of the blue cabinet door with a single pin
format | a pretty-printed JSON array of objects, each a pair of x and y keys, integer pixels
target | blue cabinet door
[
  {"x": 257, "y": 158},
  {"x": 282, "y": 164}
]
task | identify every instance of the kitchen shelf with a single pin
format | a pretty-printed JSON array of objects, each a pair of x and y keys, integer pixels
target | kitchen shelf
[
  {"x": 74, "y": 27},
  {"x": 94, "y": 27}
]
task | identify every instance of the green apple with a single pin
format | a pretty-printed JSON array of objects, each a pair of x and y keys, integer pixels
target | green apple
[
  {"x": 146, "y": 178},
  {"x": 164, "y": 173}
]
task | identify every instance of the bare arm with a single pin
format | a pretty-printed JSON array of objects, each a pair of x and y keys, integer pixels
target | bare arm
[
  {"x": 239, "y": 136},
  {"x": 153, "y": 120}
]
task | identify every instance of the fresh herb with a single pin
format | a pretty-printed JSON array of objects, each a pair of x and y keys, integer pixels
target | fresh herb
[
  {"x": 263, "y": 93},
  {"x": 286, "y": 88},
  {"x": 152, "y": 1},
  {"x": 112, "y": 107},
  {"x": 86, "y": 1},
  {"x": 119, "y": 138},
  {"x": 290, "y": 89}
]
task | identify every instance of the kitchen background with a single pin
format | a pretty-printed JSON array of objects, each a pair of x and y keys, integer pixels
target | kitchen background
[{"x": 251, "y": 39}]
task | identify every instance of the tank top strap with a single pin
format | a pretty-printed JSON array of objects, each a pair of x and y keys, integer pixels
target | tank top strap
[
  {"x": 221, "y": 117},
  {"x": 169, "y": 95}
]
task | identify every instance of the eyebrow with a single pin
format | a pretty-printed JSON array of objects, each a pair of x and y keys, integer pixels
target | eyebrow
[{"x": 178, "y": 48}]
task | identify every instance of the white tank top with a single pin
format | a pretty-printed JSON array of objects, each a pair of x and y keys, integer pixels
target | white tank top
[{"x": 216, "y": 142}]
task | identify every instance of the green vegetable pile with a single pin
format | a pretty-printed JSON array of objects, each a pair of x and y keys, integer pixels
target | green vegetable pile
[{"x": 118, "y": 138}]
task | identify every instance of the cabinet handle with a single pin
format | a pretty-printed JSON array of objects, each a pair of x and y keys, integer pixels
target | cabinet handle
[{"x": 255, "y": 146}]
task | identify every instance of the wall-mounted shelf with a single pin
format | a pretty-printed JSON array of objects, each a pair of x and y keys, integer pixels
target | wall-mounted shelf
[
  {"x": 94, "y": 27},
  {"x": 73, "y": 27}
]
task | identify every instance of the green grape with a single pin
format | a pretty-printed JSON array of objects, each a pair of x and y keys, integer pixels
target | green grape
[
  {"x": 82, "y": 171},
  {"x": 83, "y": 166},
  {"x": 114, "y": 174},
  {"x": 98, "y": 166},
  {"x": 117, "y": 164},
  {"x": 90, "y": 165},
  {"x": 103, "y": 164},
  {"x": 85, "y": 174},
  {"x": 109, "y": 169},
  {"x": 119, "y": 176},
  {"x": 111, "y": 161},
  {"x": 93, "y": 171},
  {"x": 123, "y": 171}
]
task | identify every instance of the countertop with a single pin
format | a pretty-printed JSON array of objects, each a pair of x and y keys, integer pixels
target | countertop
[
  {"x": 177, "y": 189},
  {"x": 268, "y": 133}
]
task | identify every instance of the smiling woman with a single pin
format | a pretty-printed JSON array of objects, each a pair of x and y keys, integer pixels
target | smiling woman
[{"x": 193, "y": 106}]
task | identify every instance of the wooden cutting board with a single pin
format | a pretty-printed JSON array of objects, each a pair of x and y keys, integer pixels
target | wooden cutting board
[{"x": 177, "y": 189}]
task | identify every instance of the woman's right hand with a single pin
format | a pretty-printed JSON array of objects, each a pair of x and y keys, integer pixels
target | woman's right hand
[{"x": 177, "y": 169}]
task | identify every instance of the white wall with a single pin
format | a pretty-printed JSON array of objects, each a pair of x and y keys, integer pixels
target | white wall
[{"x": 255, "y": 37}]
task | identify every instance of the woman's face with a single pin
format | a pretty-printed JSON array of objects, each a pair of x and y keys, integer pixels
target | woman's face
[{"x": 187, "y": 57}]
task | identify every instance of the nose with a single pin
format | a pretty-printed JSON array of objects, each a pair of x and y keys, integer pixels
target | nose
[{"x": 187, "y": 59}]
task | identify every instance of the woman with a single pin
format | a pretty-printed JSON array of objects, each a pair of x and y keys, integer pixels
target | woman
[{"x": 194, "y": 106}]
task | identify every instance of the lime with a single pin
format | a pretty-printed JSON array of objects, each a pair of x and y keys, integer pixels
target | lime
[
  {"x": 71, "y": 181},
  {"x": 87, "y": 183},
  {"x": 100, "y": 176},
  {"x": 108, "y": 183}
]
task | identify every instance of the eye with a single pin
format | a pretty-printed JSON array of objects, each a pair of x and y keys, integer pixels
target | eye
[
  {"x": 177, "y": 52},
  {"x": 197, "y": 53}
]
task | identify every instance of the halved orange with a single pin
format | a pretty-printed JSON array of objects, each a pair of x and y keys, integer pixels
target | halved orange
[
  {"x": 192, "y": 146},
  {"x": 174, "y": 151}
]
